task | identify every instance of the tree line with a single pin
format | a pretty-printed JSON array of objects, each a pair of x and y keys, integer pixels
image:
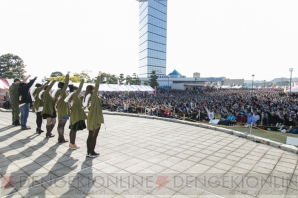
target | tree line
[
  {"x": 12, "y": 66},
  {"x": 105, "y": 78}
]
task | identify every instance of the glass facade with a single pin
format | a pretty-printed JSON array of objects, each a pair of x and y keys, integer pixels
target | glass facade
[{"x": 152, "y": 37}]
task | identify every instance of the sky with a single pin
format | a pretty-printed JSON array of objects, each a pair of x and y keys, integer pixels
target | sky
[{"x": 217, "y": 38}]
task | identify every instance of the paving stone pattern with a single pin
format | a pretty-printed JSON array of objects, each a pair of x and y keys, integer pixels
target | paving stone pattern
[{"x": 142, "y": 158}]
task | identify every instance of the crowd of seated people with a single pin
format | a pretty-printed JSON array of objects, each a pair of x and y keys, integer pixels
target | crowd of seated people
[{"x": 272, "y": 108}]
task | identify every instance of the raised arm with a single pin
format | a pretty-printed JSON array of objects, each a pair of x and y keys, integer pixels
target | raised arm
[
  {"x": 50, "y": 86},
  {"x": 80, "y": 88},
  {"x": 207, "y": 109},
  {"x": 97, "y": 83},
  {"x": 66, "y": 82},
  {"x": 30, "y": 83},
  {"x": 38, "y": 89},
  {"x": 25, "y": 80}
]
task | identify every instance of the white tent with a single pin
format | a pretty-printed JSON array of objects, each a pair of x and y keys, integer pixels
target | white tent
[
  {"x": 113, "y": 87},
  {"x": 5, "y": 83},
  {"x": 237, "y": 87},
  {"x": 122, "y": 88},
  {"x": 133, "y": 88},
  {"x": 147, "y": 88},
  {"x": 226, "y": 87},
  {"x": 293, "y": 89},
  {"x": 105, "y": 87}
]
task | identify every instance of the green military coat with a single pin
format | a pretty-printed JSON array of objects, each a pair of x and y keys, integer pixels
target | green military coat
[
  {"x": 76, "y": 111},
  {"x": 95, "y": 115},
  {"x": 48, "y": 101},
  {"x": 14, "y": 93},
  {"x": 59, "y": 97},
  {"x": 35, "y": 96}
]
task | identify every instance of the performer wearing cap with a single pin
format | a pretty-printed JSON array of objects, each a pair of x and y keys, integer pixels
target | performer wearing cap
[
  {"x": 95, "y": 116},
  {"x": 14, "y": 100},
  {"x": 59, "y": 96}
]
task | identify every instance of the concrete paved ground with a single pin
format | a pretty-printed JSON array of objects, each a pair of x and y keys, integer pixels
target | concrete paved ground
[{"x": 142, "y": 158}]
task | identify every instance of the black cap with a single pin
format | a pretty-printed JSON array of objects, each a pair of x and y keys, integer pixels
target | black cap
[
  {"x": 60, "y": 85},
  {"x": 71, "y": 88},
  {"x": 15, "y": 80},
  {"x": 38, "y": 85}
]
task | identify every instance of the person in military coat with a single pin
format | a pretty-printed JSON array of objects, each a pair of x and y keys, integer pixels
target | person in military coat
[
  {"x": 49, "y": 111},
  {"x": 95, "y": 115},
  {"x": 63, "y": 110},
  {"x": 37, "y": 106},
  {"x": 77, "y": 115}
]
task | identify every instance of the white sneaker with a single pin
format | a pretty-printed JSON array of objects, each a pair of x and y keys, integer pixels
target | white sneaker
[{"x": 284, "y": 131}]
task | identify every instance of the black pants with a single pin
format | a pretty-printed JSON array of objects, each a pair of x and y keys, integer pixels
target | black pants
[
  {"x": 91, "y": 140},
  {"x": 6, "y": 104},
  {"x": 38, "y": 120}
]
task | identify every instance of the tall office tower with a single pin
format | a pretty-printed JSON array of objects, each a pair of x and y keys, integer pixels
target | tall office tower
[{"x": 152, "y": 37}]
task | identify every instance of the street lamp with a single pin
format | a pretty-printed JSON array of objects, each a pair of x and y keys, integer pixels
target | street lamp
[
  {"x": 291, "y": 70},
  {"x": 168, "y": 86},
  {"x": 168, "y": 82},
  {"x": 252, "y": 84}
]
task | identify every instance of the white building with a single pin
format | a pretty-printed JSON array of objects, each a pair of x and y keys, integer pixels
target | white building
[{"x": 177, "y": 81}]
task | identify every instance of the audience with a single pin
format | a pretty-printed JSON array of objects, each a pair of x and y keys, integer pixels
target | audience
[
  {"x": 271, "y": 109},
  {"x": 266, "y": 107}
]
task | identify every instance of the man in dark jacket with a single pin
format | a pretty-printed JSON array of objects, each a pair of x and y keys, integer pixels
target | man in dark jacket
[{"x": 25, "y": 101}]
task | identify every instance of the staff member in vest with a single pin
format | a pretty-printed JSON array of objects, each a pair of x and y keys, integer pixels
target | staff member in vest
[
  {"x": 14, "y": 100},
  {"x": 59, "y": 96},
  {"x": 95, "y": 116},
  {"x": 77, "y": 115},
  {"x": 38, "y": 104},
  {"x": 49, "y": 111},
  {"x": 25, "y": 101}
]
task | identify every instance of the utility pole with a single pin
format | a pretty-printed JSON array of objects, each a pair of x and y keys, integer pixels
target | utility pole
[{"x": 291, "y": 70}]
